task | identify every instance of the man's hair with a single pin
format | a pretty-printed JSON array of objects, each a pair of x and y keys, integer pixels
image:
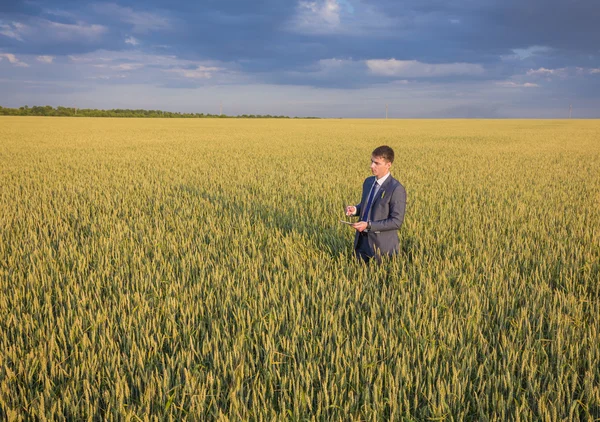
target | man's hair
[{"x": 384, "y": 152}]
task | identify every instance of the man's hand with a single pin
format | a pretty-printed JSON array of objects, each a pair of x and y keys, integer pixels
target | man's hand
[
  {"x": 360, "y": 226},
  {"x": 350, "y": 210}
]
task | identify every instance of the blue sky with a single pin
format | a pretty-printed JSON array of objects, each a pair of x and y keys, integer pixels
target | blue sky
[{"x": 327, "y": 58}]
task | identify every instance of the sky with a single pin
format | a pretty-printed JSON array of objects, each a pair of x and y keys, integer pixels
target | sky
[{"x": 325, "y": 58}]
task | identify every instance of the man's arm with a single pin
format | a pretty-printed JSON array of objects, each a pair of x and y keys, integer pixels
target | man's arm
[
  {"x": 365, "y": 192},
  {"x": 356, "y": 208},
  {"x": 396, "y": 215}
]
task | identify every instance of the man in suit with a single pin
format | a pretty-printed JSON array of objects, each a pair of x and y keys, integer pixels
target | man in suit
[{"x": 381, "y": 209}]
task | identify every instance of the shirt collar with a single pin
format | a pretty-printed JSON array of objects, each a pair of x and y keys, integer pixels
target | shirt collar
[{"x": 383, "y": 179}]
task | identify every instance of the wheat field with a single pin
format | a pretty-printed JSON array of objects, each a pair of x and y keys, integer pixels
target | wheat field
[{"x": 157, "y": 269}]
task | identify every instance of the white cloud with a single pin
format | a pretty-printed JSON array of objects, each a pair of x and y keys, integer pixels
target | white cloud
[
  {"x": 12, "y": 59},
  {"x": 414, "y": 68},
  {"x": 108, "y": 63},
  {"x": 510, "y": 84},
  {"x": 120, "y": 67},
  {"x": 142, "y": 22},
  {"x": 200, "y": 72},
  {"x": 327, "y": 12},
  {"x": 106, "y": 77},
  {"x": 45, "y": 59},
  {"x": 66, "y": 31},
  {"x": 322, "y": 17},
  {"x": 127, "y": 66},
  {"x": 51, "y": 31},
  {"x": 534, "y": 50},
  {"x": 542, "y": 71},
  {"x": 562, "y": 73},
  {"x": 61, "y": 13},
  {"x": 132, "y": 41},
  {"x": 89, "y": 58},
  {"x": 137, "y": 58},
  {"x": 334, "y": 63},
  {"x": 13, "y": 30},
  {"x": 549, "y": 74},
  {"x": 104, "y": 58}
]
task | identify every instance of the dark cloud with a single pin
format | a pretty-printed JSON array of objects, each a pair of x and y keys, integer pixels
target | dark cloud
[
  {"x": 281, "y": 42},
  {"x": 18, "y": 7},
  {"x": 428, "y": 31},
  {"x": 502, "y": 25}
]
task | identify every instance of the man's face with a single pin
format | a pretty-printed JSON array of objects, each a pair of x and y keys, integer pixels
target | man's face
[{"x": 379, "y": 166}]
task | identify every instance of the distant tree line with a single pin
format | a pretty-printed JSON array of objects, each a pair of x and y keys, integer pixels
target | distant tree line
[{"x": 92, "y": 112}]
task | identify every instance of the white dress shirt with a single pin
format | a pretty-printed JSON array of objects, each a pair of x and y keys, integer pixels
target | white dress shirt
[{"x": 378, "y": 184}]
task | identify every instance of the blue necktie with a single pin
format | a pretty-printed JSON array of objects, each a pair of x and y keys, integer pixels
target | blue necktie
[{"x": 365, "y": 216}]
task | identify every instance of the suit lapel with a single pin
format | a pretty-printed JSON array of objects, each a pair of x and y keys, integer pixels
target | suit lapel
[
  {"x": 381, "y": 192},
  {"x": 365, "y": 198}
]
